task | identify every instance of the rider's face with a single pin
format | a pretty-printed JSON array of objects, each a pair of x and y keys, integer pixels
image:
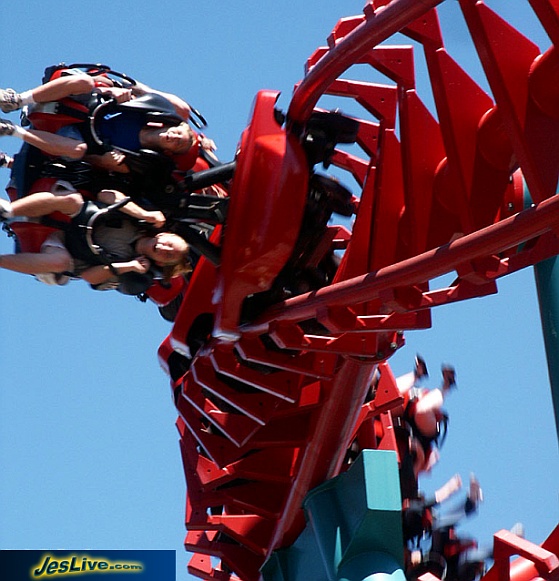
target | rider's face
[
  {"x": 166, "y": 248},
  {"x": 177, "y": 139}
]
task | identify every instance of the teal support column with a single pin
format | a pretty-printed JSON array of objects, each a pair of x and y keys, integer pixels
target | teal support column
[
  {"x": 354, "y": 528},
  {"x": 547, "y": 284}
]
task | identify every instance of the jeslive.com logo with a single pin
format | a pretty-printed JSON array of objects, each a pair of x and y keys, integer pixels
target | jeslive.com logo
[{"x": 51, "y": 567}]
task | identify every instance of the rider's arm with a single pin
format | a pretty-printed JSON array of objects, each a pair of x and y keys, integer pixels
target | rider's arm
[
  {"x": 97, "y": 275},
  {"x": 181, "y": 107},
  {"x": 57, "y": 145},
  {"x": 112, "y": 161},
  {"x": 131, "y": 209},
  {"x": 100, "y": 274},
  {"x": 119, "y": 94}
]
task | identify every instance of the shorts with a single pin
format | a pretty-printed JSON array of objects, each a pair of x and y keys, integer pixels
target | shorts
[
  {"x": 53, "y": 278},
  {"x": 62, "y": 188},
  {"x": 70, "y": 131},
  {"x": 54, "y": 241},
  {"x": 52, "y": 185}
]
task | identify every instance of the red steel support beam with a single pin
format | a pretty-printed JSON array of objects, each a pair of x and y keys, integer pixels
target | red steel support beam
[
  {"x": 322, "y": 456},
  {"x": 506, "y": 544}
]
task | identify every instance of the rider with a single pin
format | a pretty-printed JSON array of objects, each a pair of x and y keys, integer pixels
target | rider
[
  {"x": 99, "y": 251},
  {"x": 128, "y": 128},
  {"x": 423, "y": 414},
  {"x": 73, "y": 81},
  {"x": 449, "y": 556}
]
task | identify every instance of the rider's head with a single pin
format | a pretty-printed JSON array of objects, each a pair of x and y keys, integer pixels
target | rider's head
[
  {"x": 168, "y": 251},
  {"x": 174, "y": 139}
]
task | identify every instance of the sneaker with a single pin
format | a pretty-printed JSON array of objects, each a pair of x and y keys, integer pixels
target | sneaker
[
  {"x": 420, "y": 367},
  {"x": 5, "y": 160},
  {"x": 5, "y": 210},
  {"x": 9, "y": 100},
  {"x": 6, "y": 128},
  {"x": 449, "y": 376}
]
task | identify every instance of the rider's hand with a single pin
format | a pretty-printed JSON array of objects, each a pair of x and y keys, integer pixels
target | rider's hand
[
  {"x": 115, "y": 157},
  {"x": 207, "y": 143},
  {"x": 140, "y": 89},
  {"x": 120, "y": 94},
  {"x": 140, "y": 264},
  {"x": 112, "y": 161},
  {"x": 155, "y": 217}
]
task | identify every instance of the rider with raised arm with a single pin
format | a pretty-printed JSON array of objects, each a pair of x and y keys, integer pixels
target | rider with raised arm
[
  {"x": 423, "y": 415},
  {"x": 449, "y": 556}
]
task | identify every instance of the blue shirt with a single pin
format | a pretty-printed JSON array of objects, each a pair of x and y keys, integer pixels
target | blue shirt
[{"x": 122, "y": 129}]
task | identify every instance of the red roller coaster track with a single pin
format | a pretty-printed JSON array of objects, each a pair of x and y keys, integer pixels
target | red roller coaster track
[{"x": 273, "y": 395}]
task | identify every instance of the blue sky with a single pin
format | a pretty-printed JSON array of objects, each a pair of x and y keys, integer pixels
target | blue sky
[{"x": 89, "y": 453}]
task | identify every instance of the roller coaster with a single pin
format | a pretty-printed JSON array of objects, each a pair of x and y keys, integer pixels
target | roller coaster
[
  {"x": 273, "y": 349},
  {"x": 283, "y": 326}
]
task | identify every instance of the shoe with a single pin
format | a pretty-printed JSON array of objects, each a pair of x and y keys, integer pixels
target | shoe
[
  {"x": 420, "y": 367},
  {"x": 9, "y": 100},
  {"x": 6, "y": 128},
  {"x": 5, "y": 210},
  {"x": 5, "y": 159},
  {"x": 449, "y": 376}
]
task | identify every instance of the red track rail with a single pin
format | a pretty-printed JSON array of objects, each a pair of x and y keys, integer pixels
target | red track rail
[{"x": 268, "y": 407}]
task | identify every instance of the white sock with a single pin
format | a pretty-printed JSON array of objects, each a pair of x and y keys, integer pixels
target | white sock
[
  {"x": 27, "y": 98},
  {"x": 6, "y": 208}
]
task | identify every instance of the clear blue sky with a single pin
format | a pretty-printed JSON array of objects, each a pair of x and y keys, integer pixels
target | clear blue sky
[{"x": 89, "y": 453}]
